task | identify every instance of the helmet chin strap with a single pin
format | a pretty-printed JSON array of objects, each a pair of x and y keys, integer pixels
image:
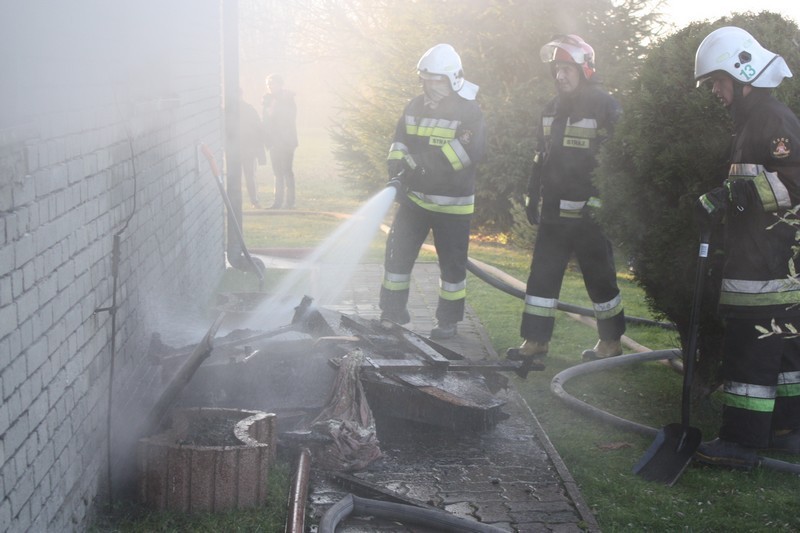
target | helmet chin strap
[
  {"x": 738, "y": 91},
  {"x": 738, "y": 98}
]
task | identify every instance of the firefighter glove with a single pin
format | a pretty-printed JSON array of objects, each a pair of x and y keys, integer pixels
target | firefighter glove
[
  {"x": 711, "y": 207},
  {"x": 742, "y": 193},
  {"x": 532, "y": 209},
  {"x": 397, "y": 181}
]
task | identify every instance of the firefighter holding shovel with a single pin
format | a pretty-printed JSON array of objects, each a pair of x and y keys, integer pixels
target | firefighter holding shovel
[{"x": 761, "y": 366}]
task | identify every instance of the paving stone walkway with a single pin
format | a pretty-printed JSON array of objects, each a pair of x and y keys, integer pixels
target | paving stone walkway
[{"x": 510, "y": 476}]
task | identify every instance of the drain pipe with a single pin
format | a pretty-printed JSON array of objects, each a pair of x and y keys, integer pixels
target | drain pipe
[
  {"x": 402, "y": 513},
  {"x": 112, "y": 310},
  {"x": 296, "y": 518}
]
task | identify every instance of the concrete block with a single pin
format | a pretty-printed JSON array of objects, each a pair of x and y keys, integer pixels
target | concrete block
[
  {"x": 16, "y": 435},
  {"x": 47, "y": 289},
  {"x": 66, "y": 275},
  {"x": 12, "y": 345},
  {"x": 24, "y": 250},
  {"x": 27, "y": 304},
  {"x": 24, "y": 191},
  {"x": 5, "y": 515},
  {"x": 8, "y": 312},
  {"x": 61, "y": 439},
  {"x": 59, "y": 176},
  {"x": 12, "y": 376},
  {"x": 37, "y": 411},
  {"x": 5, "y": 421}
]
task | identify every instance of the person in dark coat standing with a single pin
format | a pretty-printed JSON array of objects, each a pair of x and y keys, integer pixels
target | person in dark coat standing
[
  {"x": 251, "y": 146},
  {"x": 280, "y": 129}
]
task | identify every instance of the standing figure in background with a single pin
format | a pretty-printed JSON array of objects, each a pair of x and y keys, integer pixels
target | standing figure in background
[
  {"x": 251, "y": 146},
  {"x": 573, "y": 126},
  {"x": 439, "y": 140},
  {"x": 761, "y": 373},
  {"x": 280, "y": 129}
]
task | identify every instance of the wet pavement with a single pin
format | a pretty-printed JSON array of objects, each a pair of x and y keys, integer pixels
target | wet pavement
[{"x": 510, "y": 476}]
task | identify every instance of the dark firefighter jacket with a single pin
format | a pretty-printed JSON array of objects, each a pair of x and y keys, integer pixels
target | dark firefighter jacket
[
  {"x": 763, "y": 182},
  {"x": 439, "y": 149},
  {"x": 280, "y": 117},
  {"x": 572, "y": 129}
]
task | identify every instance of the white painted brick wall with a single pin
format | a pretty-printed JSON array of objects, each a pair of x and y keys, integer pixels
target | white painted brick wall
[{"x": 66, "y": 187}]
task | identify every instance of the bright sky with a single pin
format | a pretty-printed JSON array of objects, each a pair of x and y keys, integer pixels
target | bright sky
[{"x": 682, "y": 12}]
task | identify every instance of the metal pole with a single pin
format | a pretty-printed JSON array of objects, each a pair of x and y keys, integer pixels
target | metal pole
[{"x": 233, "y": 161}]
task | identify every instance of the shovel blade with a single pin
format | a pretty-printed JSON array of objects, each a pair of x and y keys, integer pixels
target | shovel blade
[{"x": 669, "y": 455}]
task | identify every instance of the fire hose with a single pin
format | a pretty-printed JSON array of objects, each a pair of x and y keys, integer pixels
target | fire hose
[
  {"x": 400, "y": 512},
  {"x": 494, "y": 277}
]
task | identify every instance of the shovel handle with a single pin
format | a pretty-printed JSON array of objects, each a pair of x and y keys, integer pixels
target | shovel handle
[
  {"x": 212, "y": 162},
  {"x": 694, "y": 326}
]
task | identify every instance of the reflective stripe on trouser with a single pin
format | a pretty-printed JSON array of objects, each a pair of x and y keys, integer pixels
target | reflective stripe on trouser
[
  {"x": 555, "y": 243},
  {"x": 451, "y": 239},
  {"x": 762, "y": 383}
]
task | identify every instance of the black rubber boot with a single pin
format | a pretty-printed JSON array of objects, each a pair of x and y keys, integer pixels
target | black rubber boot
[
  {"x": 289, "y": 193},
  {"x": 444, "y": 331},
  {"x": 388, "y": 319},
  {"x": 529, "y": 351},
  {"x": 720, "y": 452},
  {"x": 603, "y": 350},
  {"x": 788, "y": 442}
]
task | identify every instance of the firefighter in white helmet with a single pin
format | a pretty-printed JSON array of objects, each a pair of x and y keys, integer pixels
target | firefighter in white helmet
[
  {"x": 761, "y": 373},
  {"x": 572, "y": 128},
  {"x": 439, "y": 140}
]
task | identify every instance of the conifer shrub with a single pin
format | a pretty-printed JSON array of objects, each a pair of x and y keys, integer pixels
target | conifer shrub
[{"x": 670, "y": 146}]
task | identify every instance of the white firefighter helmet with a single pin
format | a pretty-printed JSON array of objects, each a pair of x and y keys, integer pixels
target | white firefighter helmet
[
  {"x": 569, "y": 49},
  {"x": 737, "y": 53},
  {"x": 443, "y": 60}
]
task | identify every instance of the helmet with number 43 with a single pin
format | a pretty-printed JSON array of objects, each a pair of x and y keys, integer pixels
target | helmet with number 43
[{"x": 736, "y": 52}]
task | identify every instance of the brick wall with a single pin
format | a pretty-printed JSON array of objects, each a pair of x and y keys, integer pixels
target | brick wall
[{"x": 103, "y": 104}]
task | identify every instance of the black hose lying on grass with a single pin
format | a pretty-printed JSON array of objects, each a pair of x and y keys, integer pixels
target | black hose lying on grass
[
  {"x": 400, "y": 512},
  {"x": 560, "y": 379},
  {"x": 481, "y": 272}
]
